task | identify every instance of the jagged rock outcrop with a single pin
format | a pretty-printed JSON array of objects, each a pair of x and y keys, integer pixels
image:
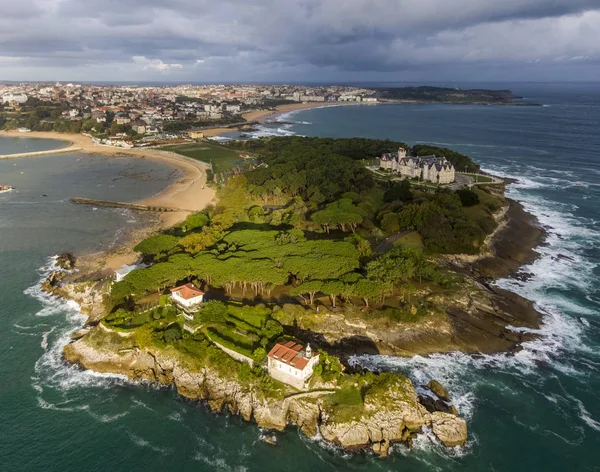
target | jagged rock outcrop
[
  {"x": 388, "y": 417},
  {"x": 88, "y": 295},
  {"x": 436, "y": 404},
  {"x": 65, "y": 261},
  {"x": 53, "y": 281},
  {"x": 439, "y": 390},
  {"x": 449, "y": 429}
]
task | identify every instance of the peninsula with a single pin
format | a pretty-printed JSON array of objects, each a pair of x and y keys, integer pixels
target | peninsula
[
  {"x": 310, "y": 255},
  {"x": 427, "y": 94}
]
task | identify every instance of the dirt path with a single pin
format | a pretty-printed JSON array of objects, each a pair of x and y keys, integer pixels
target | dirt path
[{"x": 389, "y": 242}]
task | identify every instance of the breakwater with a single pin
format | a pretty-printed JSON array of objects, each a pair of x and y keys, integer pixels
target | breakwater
[
  {"x": 40, "y": 153},
  {"x": 131, "y": 206}
]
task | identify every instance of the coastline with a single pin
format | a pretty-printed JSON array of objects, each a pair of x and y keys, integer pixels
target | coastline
[
  {"x": 188, "y": 193},
  {"x": 508, "y": 248},
  {"x": 482, "y": 331},
  {"x": 476, "y": 322},
  {"x": 272, "y": 114}
]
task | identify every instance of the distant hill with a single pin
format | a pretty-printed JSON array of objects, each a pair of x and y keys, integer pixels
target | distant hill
[{"x": 446, "y": 95}]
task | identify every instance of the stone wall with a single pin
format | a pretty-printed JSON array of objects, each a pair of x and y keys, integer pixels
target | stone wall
[{"x": 235, "y": 355}]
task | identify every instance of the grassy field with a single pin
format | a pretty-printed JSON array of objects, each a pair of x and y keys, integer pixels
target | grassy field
[
  {"x": 479, "y": 178},
  {"x": 221, "y": 157},
  {"x": 483, "y": 212},
  {"x": 410, "y": 241},
  {"x": 240, "y": 328}
]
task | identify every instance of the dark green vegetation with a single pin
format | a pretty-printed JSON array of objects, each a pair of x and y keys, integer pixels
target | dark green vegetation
[
  {"x": 302, "y": 230},
  {"x": 38, "y": 115},
  {"x": 446, "y": 95},
  {"x": 305, "y": 224},
  {"x": 305, "y": 152},
  {"x": 444, "y": 223},
  {"x": 248, "y": 330}
]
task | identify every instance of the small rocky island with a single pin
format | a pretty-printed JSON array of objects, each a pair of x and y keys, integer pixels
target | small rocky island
[{"x": 256, "y": 305}]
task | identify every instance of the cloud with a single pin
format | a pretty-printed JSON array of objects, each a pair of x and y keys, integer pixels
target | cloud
[
  {"x": 155, "y": 64},
  {"x": 274, "y": 40}
]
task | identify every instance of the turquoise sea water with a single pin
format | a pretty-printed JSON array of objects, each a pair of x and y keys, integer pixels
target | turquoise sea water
[{"x": 538, "y": 410}]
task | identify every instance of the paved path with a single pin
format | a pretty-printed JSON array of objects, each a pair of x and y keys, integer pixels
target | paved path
[
  {"x": 311, "y": 394},
  {"x": 389, "y": 242}
]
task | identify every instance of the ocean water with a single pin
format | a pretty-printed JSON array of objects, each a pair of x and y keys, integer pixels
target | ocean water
[
  {"x": 537, "y": 410},
  {"x": 18, "y": 144}
]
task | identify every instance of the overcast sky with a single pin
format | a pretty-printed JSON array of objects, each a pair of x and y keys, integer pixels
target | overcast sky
[{"x": 300, "y": 40}]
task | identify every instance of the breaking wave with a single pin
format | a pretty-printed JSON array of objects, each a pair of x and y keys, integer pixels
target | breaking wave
[
  {"x": 561, "y": 345},
  {"x": 58, "y": 385}
]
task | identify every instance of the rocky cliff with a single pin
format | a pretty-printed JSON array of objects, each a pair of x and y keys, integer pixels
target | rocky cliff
[
  {"x": 475, "y": 318},
  {"x": 393, "y": 415}
]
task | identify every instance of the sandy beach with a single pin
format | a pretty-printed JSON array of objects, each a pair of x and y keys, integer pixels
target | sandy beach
[
  {"x": 269, "y": 114},
  {"x": 188, "y": 193}
]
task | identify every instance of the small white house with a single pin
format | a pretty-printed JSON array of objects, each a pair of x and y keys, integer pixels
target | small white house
[
  {"x": 187, "y": 296},
  {"x": 290, "y": 363}
]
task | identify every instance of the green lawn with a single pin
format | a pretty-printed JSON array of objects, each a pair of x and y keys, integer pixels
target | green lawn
[
  {"x": 346, "y": 404},
  {"x": 482, "y": 213},
  {"x": 410, "y": 241},
  {"x": 480, "y": 178},
  {"x": 221, "y": 157}
]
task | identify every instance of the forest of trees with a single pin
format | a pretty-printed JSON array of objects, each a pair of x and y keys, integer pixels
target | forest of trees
[
  {"x": 310, "y": 220},
  {"x": 444, "y": 94}
]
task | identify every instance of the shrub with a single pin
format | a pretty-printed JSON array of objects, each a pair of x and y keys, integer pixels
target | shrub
[
  {"x": 467, "y": 197},
  {"x": 173, "y": 332}
]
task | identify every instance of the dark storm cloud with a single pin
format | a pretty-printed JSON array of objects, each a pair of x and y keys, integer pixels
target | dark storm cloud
[{"x": 236, "y": 39}]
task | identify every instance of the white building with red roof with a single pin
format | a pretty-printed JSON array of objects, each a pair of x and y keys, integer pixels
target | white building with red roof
[
  {"x": 290, "y": 363},
  {"x": 187, "y": 296}
]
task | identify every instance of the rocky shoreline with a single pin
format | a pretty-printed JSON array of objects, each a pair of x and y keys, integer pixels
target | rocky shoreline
[
  {"x": 477, "y": 321},
  {"x": 397, "y": 419},
  {"x": 479, "y": 317}
]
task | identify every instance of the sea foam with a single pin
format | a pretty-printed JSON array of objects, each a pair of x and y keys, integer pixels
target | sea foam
[{"x": 560, "y": 269}]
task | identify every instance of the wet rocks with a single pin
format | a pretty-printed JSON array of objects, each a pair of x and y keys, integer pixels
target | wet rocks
[
  {"x": 435, "y": 404},
  {"x": 394, "y": 417},
  {"x": 53, "y": 281},
  {"x": 439, "y": 390},
  {"x": 449, "y": 429},
  {"x": 66, "y": 261}
]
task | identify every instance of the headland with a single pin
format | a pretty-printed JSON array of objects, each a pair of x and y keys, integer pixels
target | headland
[{"x": 436, "y": 303}]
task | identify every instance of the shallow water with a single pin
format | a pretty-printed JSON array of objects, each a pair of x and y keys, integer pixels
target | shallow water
[
  {"x": 537, "y": 410},
  {"x": 20, "y": 144}
]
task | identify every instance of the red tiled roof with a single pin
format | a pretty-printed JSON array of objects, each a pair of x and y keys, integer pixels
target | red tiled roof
[
  {"x": 187, "y": 291},
  {"x": 289, "y": 353}
]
